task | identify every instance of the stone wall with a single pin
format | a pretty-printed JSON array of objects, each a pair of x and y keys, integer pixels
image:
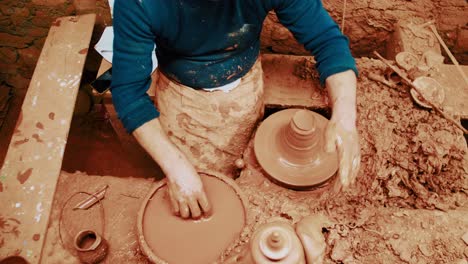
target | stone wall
[
  {"x": 369, "y": 24},
  {"x": 24, "y": 25}
]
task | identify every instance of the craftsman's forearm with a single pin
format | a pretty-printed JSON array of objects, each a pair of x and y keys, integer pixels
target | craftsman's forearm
[
  {"x": 342, "y": 93},
  {"x": 154, "y": 140}
]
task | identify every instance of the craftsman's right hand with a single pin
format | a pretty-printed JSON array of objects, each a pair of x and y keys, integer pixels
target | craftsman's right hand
[
  {"x": 188, "y": 198},
  {"x": 186, "y": 193}
]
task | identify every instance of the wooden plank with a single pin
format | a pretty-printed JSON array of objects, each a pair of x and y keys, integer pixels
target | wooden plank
[{"x": 32, "y": 165}]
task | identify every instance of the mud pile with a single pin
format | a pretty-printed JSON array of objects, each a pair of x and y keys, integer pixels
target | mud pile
[{"x": 410, "y": 155}]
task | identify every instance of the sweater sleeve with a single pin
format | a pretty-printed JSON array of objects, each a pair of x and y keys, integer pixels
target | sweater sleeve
[
  {"x": 132, "y": 65},
  {"x": 315, "y": 29}
]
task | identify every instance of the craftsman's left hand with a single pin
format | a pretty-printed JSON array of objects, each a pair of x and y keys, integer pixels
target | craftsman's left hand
[
  {"x": 341, "y": 133},
  {"x": 342, "y": 136}
]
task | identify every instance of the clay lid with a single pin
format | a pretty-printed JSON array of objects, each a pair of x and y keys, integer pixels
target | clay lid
[
  {"x": 406, "y": 60},
  {"x": 289, "y": 146},
  {"x": 166, "y": 238}
]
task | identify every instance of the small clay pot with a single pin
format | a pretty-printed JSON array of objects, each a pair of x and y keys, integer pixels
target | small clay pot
[
  {"x": 276, "y": 242},
  {"x": 14, "y": 260},
  {"x": 90, "y": 246}
]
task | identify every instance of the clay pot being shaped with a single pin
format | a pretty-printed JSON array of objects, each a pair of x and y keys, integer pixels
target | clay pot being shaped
[
  {"x": 276, "y": 242},
  {"x": 289, "y": 145},
  {"x": 90, "y": 246},
  {"x": 167, "y": 238}
]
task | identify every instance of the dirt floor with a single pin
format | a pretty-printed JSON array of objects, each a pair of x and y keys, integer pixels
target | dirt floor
[{"x": 409, "y": 204}]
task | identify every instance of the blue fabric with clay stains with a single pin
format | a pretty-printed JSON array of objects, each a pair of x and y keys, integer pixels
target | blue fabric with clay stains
[{"x": 208, "y": 43}]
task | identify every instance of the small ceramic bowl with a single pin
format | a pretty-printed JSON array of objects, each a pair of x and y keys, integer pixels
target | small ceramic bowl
[{"x": 431, "y": 89}]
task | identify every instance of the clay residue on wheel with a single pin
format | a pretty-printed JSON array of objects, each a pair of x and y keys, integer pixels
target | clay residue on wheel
[{"x": 178, "y": 240}]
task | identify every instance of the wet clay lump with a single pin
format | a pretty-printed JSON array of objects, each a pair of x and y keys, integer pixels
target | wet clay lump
[
  {"x": 289, "y": 145},
  {"x": 202, "y": 241}
]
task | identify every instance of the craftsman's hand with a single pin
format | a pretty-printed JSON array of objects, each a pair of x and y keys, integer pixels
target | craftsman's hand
[
  {"x": 344, "y": 138},
  {"x": 188, "y": 199},
  {"x": 341, "y": 133}
]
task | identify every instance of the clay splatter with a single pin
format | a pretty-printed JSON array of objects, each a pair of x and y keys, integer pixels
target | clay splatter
[
  {"x": 23, "y": 177},
  {"x": 83, "y": 51},
  {"x": 51, "y": 115},
  {"x": 20, "y": 142},
  {"x": 226, "y": 108},
  {"x": 37, "y": 138},
  {"x": 56, "y": 23},
  {"x": 39, "y": 125},
  {"x": 36, "y": 237}
]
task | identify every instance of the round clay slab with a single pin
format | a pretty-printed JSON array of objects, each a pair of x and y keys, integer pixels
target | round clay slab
[
  {"x": 431, "y": 89},
  {"x": 269, "y": 154},
  {"x": 166, "y": 238}
]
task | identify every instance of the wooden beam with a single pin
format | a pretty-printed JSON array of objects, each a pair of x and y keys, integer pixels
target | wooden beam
[{"x": 32, "y": 165}]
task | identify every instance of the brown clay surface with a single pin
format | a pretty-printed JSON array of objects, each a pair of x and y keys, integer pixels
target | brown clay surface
[
  {"x": 202, "y": 241},
  {"x": 296, "y": 168}
]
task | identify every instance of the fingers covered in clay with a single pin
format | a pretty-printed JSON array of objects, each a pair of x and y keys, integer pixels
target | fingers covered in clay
[
  {"x": 195, "y": 211},
  {"x": 204, "y": 204},
  {"x": 187, "y": 196},
  {"x": 346, "y": 142}
]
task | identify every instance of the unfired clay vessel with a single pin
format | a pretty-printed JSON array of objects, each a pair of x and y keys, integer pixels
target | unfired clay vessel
[
  {"x": 167, "y": 238},
  {"x": 90, "y": 246},
  {"x": 289, "y": 145},
  {"x": 276, "y": 242},
  {"x": 13, "y": 260}
]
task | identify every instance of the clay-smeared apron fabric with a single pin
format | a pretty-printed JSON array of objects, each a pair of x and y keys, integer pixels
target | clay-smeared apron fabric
[{"x": 211, "y": 128}]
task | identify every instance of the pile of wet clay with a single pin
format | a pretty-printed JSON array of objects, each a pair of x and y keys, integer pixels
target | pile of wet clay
[{"x": 410, "y": 155}]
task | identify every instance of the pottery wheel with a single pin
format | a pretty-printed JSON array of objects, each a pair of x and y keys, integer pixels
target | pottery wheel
[
  {"x": 294, "y": 168},
  {"x": 165, "y": 237}
]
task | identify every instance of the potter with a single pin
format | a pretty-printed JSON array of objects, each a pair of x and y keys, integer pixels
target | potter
[{"x": 209, "y": 86}]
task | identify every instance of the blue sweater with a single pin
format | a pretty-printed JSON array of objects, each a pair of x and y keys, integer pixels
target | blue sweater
[{"x": 208, "y": 43}]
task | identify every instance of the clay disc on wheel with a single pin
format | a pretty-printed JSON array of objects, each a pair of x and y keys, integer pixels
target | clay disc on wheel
[
  {"x": 321, "y": 167},
  {"x": 165, "y": 237}
]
